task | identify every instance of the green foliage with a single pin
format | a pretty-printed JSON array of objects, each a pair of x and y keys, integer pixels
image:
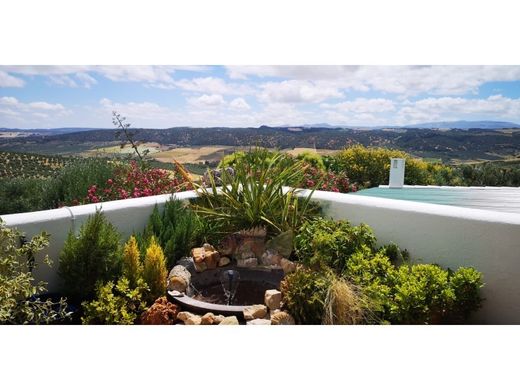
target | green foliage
[
  {"x": 132, "y": 266},
  {"x": 304, "y": 293},
  {"x": 422, "y": 295},
  {"x": 313, "y": 159},
  {"x": 255, "y": 195},
  {"x": 177, "y": 229},
  {"x": 155, "y": 272},
  {"x": 19, "y": 195},
  {"x": 370, "y": 167},
  {"x": 326, "y": 242},
  {"x": 116, "y": 304},
  {"x": 466, "y": 284},
  {"x": 491, "y": 174},
  {"x": 93, "y": 256},
  {"x": 71, "y": 185},
  {"x": 18, "y": 304}
]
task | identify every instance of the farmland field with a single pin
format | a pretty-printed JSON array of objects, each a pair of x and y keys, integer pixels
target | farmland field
[{"x": 25, "y": 165}]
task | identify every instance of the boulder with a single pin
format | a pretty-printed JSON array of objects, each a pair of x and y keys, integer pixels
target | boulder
[
  {"x": 273, "y": 299},
  {"x": 282, "y": 318},
  {"x": 270, "y": 258},
  {"x": 162, "y": 312},
  {"x": 189, "y": 318},
  {"x": 207, "y": 319},
  {"x": 218, "y": 319},
  {"x": 212, "y": 259},
  {"x": 179, "y": 279},
  {"x": 259, "y": 321},
  {"x": 224, "y": 261},
  {"x": 254, "y": 311},
  {"x": 287, "y": 265},
  {"x": 233, "y": 320},
  {"x": 247, "y": 263}
]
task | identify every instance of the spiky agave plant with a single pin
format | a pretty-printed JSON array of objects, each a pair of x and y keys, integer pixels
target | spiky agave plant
[{"x": 257, "y": 195}]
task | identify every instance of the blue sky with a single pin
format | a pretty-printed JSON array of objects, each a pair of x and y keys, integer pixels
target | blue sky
[{"x": 166, "y": 96}]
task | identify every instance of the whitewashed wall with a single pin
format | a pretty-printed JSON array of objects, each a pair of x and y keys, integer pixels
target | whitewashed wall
[{"x": 446, "y": 235}]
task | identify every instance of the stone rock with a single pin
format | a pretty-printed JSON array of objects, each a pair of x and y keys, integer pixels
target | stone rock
[
  {"x": 198, "y": 255},
  {"x": 247, "y": 263},
  {"x": 205, "y": 254},
  {"x": 254, "y": 311},
  {"x": 233, "y": 320},
  {"x": 179, "y": 279},
  {"x": 282, "y": 318},
  {"x": 201, "y": 267},
  {"x": 218, "y": 319},
  {"x": 244, "y": 244},
  {"x": 162, "y": 312},
  {"x": 259, "y": 321},
  {"x": 273, "y": 299},
  {"x": 288, "y": 266},
  {"x": 208, "y": 248},
  {"x": 224, "y": 261},
  {"x": 189, "y": 318},
  {"x": 187, "y": 262},
  {"x": 207, "y": 319},
  {"x": 212, "y": 259},
  {"x": 270, "y": 258},
  {"x": 281, "y": 244}
]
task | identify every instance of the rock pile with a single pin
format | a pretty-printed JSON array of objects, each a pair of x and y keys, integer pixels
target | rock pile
[{"x": 162, "y": 312}]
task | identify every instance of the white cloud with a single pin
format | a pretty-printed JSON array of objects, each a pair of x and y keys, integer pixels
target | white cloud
[
  {"x": 15, "y": 112},
  {"x": 86, "y": 79},
  {"x": 296, "y": 91},
  {"x": 363, "y": 105},
  {"x": 213, "y": 85},
  {"x": 239, "y": 104},
  {"x": 62, "y": 80},
  {"x": 8, "y": 81},
  {"x": 214, "y": 100}
]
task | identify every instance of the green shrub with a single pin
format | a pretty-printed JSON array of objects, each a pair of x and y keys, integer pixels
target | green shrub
[
  {"x": 155, "y": 272},
  {"x": 422, "y": 295},
  {"x": 313, "y": 159},
  {"x": 116, "y": 304},
  {"x": 93, "y": 256},
  {"x": 177, "y": 228},
  {"x": 71, "y": 185},
  {"x": 327, "y": 242},
  {"x": 370, "y": 167},
  {"x": 18, "y": 304},
  {"x": 304, "y": 293},
  {"x": 255, "y": 196},
  {"x": 466, "y": 284},
  {"x": 21, "y": 195}
]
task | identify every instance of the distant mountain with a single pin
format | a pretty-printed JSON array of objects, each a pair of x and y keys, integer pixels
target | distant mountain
[
  {"x": 465, "y": 125},
  {"x": 320, "y": 126}
]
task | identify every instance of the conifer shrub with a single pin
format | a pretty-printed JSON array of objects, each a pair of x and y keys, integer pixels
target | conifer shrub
[
  {"x": 155, "y": 272},
  {"x": 116, "y": 303},
  {"x": 132, "y": 265},
  {"x": 91, "y": 257}
]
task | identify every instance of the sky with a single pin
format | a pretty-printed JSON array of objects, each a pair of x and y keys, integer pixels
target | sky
[{"x": 236, "y": 96}]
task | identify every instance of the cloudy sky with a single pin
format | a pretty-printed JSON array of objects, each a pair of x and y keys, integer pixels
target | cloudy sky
[{"x": 166, "y": 96}]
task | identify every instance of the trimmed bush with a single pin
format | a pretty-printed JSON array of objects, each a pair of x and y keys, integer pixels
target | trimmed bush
[
  {"x": 91, "y": 257},
  {"x": 132, "y": 266},
  {"x": 155, "y": 272},
  {"x": 466, "y": 284}
]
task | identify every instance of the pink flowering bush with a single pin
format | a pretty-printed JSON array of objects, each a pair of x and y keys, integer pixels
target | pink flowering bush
[
  {"x": 132, "y": 181},
  {"x": 327, "y": 181}
]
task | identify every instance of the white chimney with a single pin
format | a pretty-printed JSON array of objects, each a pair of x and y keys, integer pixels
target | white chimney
[{"x": 396, "y": 173}]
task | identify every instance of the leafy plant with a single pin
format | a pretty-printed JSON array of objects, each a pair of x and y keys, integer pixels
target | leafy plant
[
  {"x": 155, "y": 272},
  {"x": 326, "y": 242},
  {"x": 116, "y": 303},
  {"x": 19, "y": 303},
  {"x": 255, "y": 195},
  {"x": 91, "y": 257},
  {"x": 304, "y": 293},
  {"x": 466, "y": 284}
]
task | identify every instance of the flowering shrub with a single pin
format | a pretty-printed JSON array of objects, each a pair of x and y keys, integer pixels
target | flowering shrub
[
  {"x": 133, "y": 181},
  {"x": 327, "y": 180}
]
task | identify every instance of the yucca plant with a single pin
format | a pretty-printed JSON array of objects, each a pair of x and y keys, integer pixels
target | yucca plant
[{"x": 256, "y": 195}]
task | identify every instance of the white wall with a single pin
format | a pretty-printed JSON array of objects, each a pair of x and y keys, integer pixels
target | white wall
[{"x": 447, "y": 235}]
